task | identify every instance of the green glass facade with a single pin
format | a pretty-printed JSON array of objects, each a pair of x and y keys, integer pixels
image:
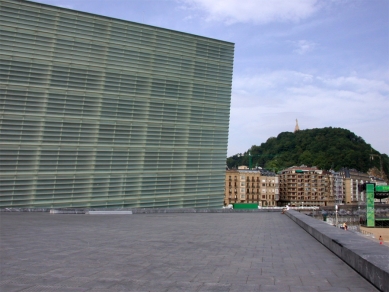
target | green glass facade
[{"x": 100, "y": 112}]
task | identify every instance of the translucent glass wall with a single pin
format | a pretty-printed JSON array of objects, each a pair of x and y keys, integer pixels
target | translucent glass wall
[{"x": 99, "y": 112}]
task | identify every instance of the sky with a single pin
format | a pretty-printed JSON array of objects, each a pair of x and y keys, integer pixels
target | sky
[{"x": 323, "y": 62}]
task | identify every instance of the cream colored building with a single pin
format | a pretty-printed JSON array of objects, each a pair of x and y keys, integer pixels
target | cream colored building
[
  {"x": 245, "y": 185},
  {"x": 353, "y": 180},
  {"x": 306, "y": 186}
]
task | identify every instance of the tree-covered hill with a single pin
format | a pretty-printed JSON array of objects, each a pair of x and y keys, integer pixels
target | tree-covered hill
[{"x": 326, "y": 148}]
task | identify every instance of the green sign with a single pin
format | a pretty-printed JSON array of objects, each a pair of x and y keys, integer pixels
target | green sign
[
  {"x": 245, "y": 206},
  {"x": 384, "y": 189},
  {"x": 370, "y": 205}
]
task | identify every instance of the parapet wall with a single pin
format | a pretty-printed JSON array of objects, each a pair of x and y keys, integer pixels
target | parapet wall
[{"x": 367, "y": 257}]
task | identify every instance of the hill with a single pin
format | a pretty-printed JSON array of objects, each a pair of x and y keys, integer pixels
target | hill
[{"x": 326, "y": 148}]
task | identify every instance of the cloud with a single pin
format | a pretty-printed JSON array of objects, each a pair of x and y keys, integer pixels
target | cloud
[
  {"x": 254, "y": 11},
  {"x": 304, "y": 46},
  {"x": 265, "y": 105}
]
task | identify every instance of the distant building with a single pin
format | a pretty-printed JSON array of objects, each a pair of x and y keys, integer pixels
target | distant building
[
  {"x": 336, "y": 187},
  {"x": 380, "y": 182},
  {"x": 306, "y": 186},
  {"x": 259, "y": 186},
  {"x": 352, "y": 182}
]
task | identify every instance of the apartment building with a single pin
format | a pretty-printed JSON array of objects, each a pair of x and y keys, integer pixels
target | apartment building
[
  {"x": 352, "y": 182},
  {"x": 305, "y": 186},
  {"x": 336, "y": 187},
  {"x": 245, "y": 185}
]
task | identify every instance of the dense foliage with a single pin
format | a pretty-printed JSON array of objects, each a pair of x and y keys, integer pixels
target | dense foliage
[{"x": 326, "y": 148}]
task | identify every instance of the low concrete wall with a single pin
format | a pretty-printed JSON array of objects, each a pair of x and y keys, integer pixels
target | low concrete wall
[{"x": 367, "y": 257}]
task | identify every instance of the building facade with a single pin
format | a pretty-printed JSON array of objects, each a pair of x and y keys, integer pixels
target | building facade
[
  {"x": 306, "y": 186},
  {"x": 353, "y": 180},
  {"x": 100, "y": 112},
  {"x": 337, "y": 187},
  {"x": 245, "y": 185}
]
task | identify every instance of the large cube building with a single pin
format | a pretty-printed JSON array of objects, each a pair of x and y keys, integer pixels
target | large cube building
[{"x": 100, "y": 112}]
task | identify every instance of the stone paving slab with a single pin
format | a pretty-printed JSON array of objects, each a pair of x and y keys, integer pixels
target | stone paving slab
[{"x": 167, "y": 252}]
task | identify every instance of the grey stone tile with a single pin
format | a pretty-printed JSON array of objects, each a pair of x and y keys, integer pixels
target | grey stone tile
[
  {"x": 157, "y": 285},
  {"x": 181, "y": 276},
  {"x": 46, "y": 280},
  {"x": 351, "y": 282},
  {"x": 296, "y": 288},
  {"x": 291, "y": 281},
  {"x": 125, "y": 285},
  {"x": 12, "y": 287},
  {"x": 315, "y": 281},
  {"x": 262, "y": 280},
  {"x": 184, "y": 286},
  {"x": 244, "y": 287},
  {"x": 74, "y": 282},
  {"x": 45, "y": 288},
  {"x": 363, "y": 289},
  {"x": 335, "y": 289},
  {"x": 214, "y": 287},
  {"x": 233, "y": 279},
  {"x": 100, "y": 283},
  {"x": 274, "y": 288}
]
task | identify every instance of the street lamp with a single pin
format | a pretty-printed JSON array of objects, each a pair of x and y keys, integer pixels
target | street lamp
[{"x": 336, "y": 215}]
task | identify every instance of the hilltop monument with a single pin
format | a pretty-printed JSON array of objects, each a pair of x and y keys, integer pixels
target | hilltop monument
[{"x": 296, "y": 128}]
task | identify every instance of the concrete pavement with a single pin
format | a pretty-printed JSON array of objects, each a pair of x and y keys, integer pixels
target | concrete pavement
[{"x": 167, "y": 252}]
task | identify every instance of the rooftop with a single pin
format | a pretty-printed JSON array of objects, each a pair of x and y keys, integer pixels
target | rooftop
[{"x": 262, "y": 251}]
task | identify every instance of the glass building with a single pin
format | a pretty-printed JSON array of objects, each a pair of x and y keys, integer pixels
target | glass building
[{"x": 101, "y": 112}]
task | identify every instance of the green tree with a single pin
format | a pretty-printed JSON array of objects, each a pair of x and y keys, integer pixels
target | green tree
[{"x": 327, "y": 148}]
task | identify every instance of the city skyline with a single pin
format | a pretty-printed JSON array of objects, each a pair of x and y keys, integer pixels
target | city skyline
[{"x": 322, "y": 62}]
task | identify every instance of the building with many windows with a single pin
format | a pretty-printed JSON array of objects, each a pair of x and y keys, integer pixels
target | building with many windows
[
  {"x": 306, "y": 186},
  {"x": 353, "y": 181},
  {"x": 337, "y": 187},
  {"x": 100, "y": 112},
  {"x": 245, "y": 185}
]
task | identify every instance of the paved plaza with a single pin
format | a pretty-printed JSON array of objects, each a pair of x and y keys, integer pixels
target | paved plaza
[{"x": 167, "y": 252}]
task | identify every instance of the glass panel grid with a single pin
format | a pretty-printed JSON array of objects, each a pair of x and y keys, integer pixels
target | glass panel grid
[{"x": 98, "y": 112}]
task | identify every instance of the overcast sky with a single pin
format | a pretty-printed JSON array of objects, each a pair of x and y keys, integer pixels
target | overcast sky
[{"x": 323, "y": 62}]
